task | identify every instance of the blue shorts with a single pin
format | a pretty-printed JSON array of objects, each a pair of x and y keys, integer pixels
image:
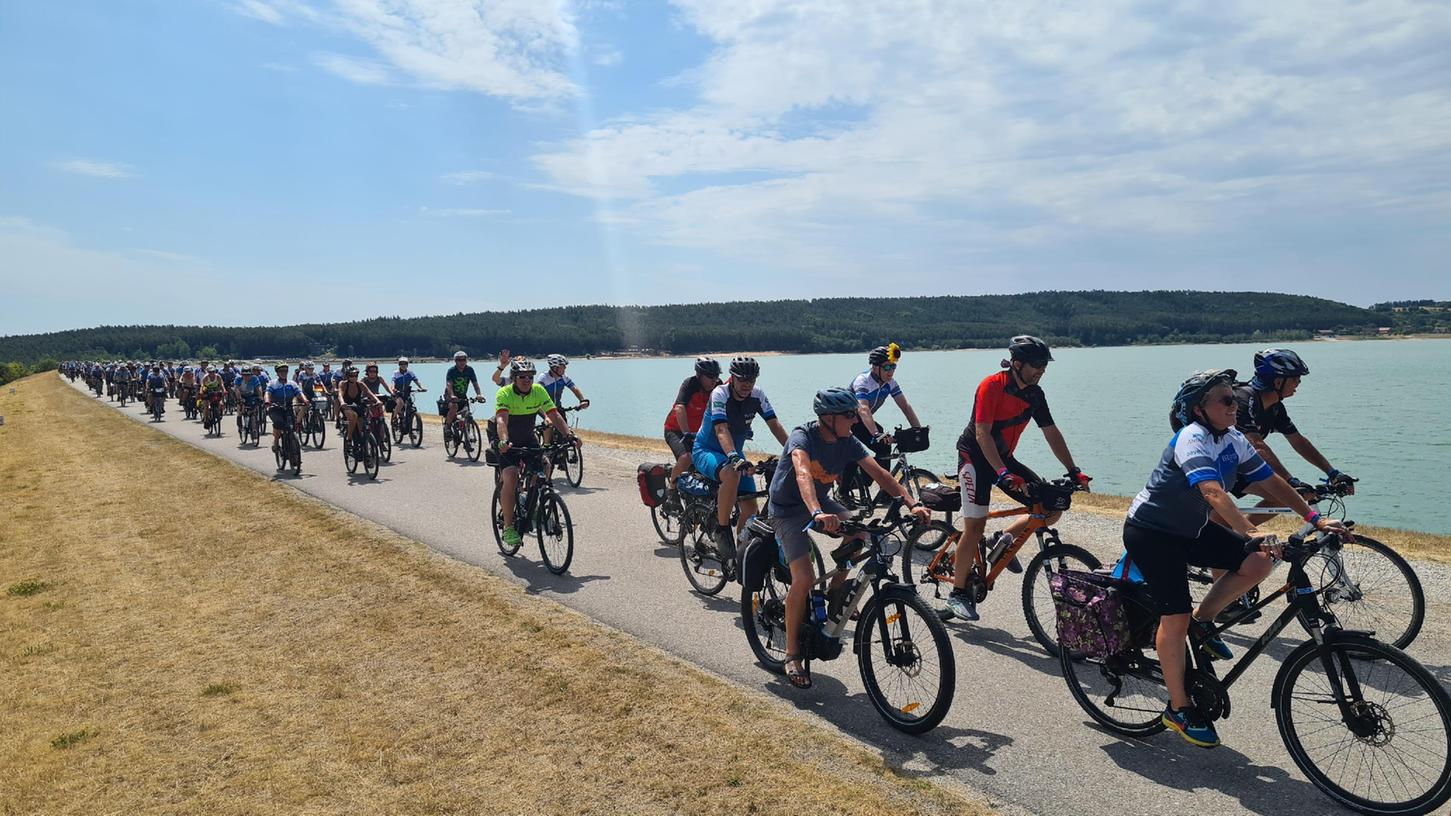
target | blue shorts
[{"x": 708, "y": 463}]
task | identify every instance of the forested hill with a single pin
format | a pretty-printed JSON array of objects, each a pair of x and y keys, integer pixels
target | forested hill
[{"x": 838, "y": 324}]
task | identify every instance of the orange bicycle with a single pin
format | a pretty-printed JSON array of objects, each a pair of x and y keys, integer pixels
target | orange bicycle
[{"x": 1039, "y": 500}]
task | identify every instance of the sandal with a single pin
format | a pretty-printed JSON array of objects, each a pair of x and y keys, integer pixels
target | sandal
[{"x": 801, "y": 676}]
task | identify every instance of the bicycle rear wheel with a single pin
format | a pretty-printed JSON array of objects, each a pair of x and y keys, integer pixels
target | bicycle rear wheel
[
  {"x": 668, "y": 525},
  {"x": 703, "y": 567},
  {"x": 906, "y": 660},
  {"x": 1038, "y": 598},
  {"x": 1370, "y": 586},
  {"x": 1391, "y": 754},
  {"x": 763, "y": 617},
  {"x": 350, "y": 454},
  {"x": 555, "y": 532},
  {"x": 916, "y": 557},
  {"x": 1124, "y": 693},
  {"x": 385, "y": 441}
]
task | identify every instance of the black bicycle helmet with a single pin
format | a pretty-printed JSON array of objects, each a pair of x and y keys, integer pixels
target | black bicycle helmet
[
  {"x": 1192, "y": 390},
  {"x": 1030, "y": 350},
  {"x": 1273, "y": 363},
  {"x": 707, "y": 366},
  {"x": 521, "y": 366},
  {"x": 834, "y": 401},
  {"x": 745, "y": 368}
]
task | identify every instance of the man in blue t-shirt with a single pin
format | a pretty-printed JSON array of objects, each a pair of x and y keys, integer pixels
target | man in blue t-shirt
[
  {"x": 279, "y": 396},
  {"x": 816, "y": 456}
]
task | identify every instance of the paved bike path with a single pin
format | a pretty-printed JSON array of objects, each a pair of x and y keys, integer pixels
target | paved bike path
[{"x": 1013, "y": 734}]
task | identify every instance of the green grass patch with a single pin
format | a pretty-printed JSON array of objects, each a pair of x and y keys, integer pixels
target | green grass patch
[
  {"x": 53, "y": 606},
  {"x": 71, "y": 739},
  {"x": 218, "y": 690},
  {"x": 25, "y": 589},
  {"x": 37, "y": 651}
]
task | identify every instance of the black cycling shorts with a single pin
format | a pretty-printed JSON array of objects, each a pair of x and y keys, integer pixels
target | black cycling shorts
[
  {"x": 1164, "y": 560},
  {"x": 278, "y": 415},
  {"x": 680, "y": 443}
]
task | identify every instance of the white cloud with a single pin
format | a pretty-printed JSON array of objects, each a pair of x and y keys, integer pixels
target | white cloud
[
  {"x": 275, "y": 12},
  {"x": 361, "y": 71},
  {"x": 464, "y": 178},
  {"x": 829, "y": 132},
  {"x": 99, "y": 169},
  {"x": 459, "y": 212},
  {"x": 163, "y": 255},
  {"x": 279, "y": 67},
  {"x": 609, "y": 57}
]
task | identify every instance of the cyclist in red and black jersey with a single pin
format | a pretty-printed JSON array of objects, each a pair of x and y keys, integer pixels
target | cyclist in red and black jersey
[
  {"x": 683, "y": 421},
  {"x": 1004, "y": 403}
]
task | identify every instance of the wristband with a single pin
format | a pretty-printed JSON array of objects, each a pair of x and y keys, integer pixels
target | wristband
[
  {"x": 1312, "y": 516},
  {"x": 1332, "y": 473},
  {"x": 818, "y": 511},
  {"x": 1002, "y": 474}
]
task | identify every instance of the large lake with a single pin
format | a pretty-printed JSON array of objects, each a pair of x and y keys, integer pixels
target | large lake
[{"x": 1377, "y": 409}]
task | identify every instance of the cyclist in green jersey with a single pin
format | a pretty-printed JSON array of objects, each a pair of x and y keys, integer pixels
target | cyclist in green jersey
[
  {"x": 517, "y": 406},
  {"x": 456, "y": 389}
]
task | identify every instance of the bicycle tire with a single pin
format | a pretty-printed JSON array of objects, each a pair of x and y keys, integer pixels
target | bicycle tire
[
  {"x": 915, "y": 558},
  {"x": 1090, "y": 679},
  {"x": 320, "y": 431},
  {"x": 475, "y": 450},
  {"x": 496, "y": 519},
  {"x": 350, "y": 454},
  {"x": 696, "y": 554},
  {"x": 763, "y": 619},
  {"x": 1374, "y": 666},
  {"x": 555, "y": 532},
  {"x": 415, "y": 432},
  {"x": 294, "y": 452},
  {"x": 668, "y": 525},
  {"x": 451, "y": 440},
  {"x": 395, "y": 427},
  {"x": 374, "y": 456},
  {"x": 574, "y": 466},
  {"x": 1376, "y": 572},
  {"x": 385, "y": 442},
  {"x": 888, "y": 616},
  {"x": 1037, "y": 600}
]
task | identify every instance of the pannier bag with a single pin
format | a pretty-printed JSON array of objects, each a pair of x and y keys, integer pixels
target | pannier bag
[
  {"x": 939, "y": 498},
  {"x": 911, "y": 440},
  {"x": 1054, "y": 498},
  {"x": 1091, "y": 615},
  {"x": 652, "y": 484}
]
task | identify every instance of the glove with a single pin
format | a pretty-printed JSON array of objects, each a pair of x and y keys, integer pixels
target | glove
[
  {"x": 1010, "y": 481},
  {"x": 1078, "y": 476},
  {"x": 736, "y": 461},
  {"x": 1337, "y": 479}
]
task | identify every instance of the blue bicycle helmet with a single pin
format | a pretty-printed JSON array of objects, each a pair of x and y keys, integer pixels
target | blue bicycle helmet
[
  {"x": 1274, "y": 363},
  {"x": 1192, "y": 390},
  {"x": 834, "y": 401}
]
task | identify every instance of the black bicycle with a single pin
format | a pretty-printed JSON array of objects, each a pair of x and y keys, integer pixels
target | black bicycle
[
  {"x": 406, "y": 421},
  {"x": 158, "y": 402},
  {"x": 902, "y": 648},
  {"x": 570, "y": 460},
  {"x": 289, "y": 448},
  {"x": 538, "y": 509},
  {"x": 314, "y": 421},
  {"x": 707, "y": 570},
  {"x": 249, "y": 422},
  {"x": 464, "y": 432},
  {"x": 212, "y": 418},
  {"x": 361, "y": 447},
  {"x": 1364, "y": 721}
]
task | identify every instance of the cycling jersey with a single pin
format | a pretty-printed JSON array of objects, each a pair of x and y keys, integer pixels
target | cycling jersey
[
  {"x": 1253, "y": 417},
  {"x": 404, "y": 381},
  {"x": 282, "y": 393},
  {"x": 555, "y": 385},
  {"x": 826, "y": 461},
  {"x": 1171, "y": 502},
  {"x": 211, "y": 384},
  {"x": 156, "y": 381},
  {"x": 522, "y": 408},
  {"x": 307, "y": 382},
  {"x": 1008, "y": 408},
  {"x": 460, "y": 380},
  {"x": 873, "y": 391},
  {"x": 736, "y": 414},
  {"x": 693, "y": 396}
]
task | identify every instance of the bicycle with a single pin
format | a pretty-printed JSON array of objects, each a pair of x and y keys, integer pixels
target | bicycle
[
  {"x": 249, "y": 424},
  {"x": 1370, "y": 585},
  {"x": 465, "y": 429},
  {"x": 406, "y": 421},
  {"x": 212, "y": 419},
  {"x": 539, "y": 509},
  {"x": 1340, "y": 678},
  {"x": 289, "y": 451},
  {"x": 705, "y": 568},
  {"x": 361, "y": 447},
  {"x": 158, "y": 403},
  {"x": 856, "y": 494},
  {"x": 902, "y": 648},
  {"x": 571, "y": 460},
  {"x": 1041, "y": 499},
  {"x": 378, "y": 424},
  {"x": 314, "y": 421},
  {"x": 188, "y": 399}
]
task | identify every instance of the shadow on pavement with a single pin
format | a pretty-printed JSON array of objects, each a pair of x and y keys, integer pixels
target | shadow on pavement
[
  {"x": 1025, "y": 649},
  {"x": 537, "y": 578}
]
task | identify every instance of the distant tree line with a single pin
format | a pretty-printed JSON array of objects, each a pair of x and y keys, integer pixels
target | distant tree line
[{"x": 1093, "y": 318}]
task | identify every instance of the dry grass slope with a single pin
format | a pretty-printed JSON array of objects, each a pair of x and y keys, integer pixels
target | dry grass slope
[{"x": 187, "y": 637}]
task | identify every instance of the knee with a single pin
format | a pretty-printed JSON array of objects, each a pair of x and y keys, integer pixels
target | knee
[{"x": 1257, "y": 566}]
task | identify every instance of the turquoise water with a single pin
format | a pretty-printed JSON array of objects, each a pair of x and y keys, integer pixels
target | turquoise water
[{"x": 1377, "y": 409}]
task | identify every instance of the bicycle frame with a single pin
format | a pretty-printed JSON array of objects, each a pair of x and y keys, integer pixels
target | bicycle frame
[{"x": 1037, "y": 526}]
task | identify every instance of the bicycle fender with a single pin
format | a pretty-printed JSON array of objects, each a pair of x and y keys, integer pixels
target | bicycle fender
[{"x": 1341, "y": 636}]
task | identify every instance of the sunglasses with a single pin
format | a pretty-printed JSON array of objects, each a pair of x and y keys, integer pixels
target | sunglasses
[
  {"x": 523, "y": 376},
  {"x": 1225, "y": 401},
  {"x": 889, "y": 366}
]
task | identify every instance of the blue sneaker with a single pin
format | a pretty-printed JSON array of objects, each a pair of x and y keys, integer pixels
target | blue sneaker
[
  {"x": 1202, "y": 634},
  {"x": 1191, "y": 725},
  {"x": 962, "y": 605}
]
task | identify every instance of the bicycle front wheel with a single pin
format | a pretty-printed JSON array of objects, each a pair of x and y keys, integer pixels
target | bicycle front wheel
[
  {"x": 385, "y": 442},
  {"x": 906, "y": 661},
  {"x": 1124, "y": 693},
  {"x": 375, "y": 457},
  {"x": 556, "y": 533},
  {"x": 1389, "y": 750},
  {"x": 1037, "y": 596},
  {"x": 1370, "y": 586},
  {"x": 496, "y": 516},
  {"x": 415, "y": 431},
  {"x": 574, "y": 466},
  {"x": 451, "y": 439},
  {"x": 475, "y": 449}
]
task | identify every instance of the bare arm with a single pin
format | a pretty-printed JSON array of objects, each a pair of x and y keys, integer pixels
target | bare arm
[
  {"x": 1058, "y": 446},
  {"x": 907, "y": 411},
  {"x": 984, "y": 433},
  {"x": 557, "y": 420},
  {"x": 778, "y": 429},
  {"x": 680, "y": 418},
  {"x": 1309, "y": 452},
  {"x": 801, "y": 469},
  {"x": 864, "y": 413},
  {"x": 723, "y": 436},
  {"x": 1268, "y": 455},
  {"x": 1225, "y": 507},
  {"x": 501, "y": 427}
]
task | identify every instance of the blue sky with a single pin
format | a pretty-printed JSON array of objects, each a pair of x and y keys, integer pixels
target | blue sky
[{"x": 250, "y": 161}]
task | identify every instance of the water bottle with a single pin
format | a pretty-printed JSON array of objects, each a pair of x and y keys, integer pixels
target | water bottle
[
  {"x": 1000, "y": 543},
  {"x": 818, "y": 610}
]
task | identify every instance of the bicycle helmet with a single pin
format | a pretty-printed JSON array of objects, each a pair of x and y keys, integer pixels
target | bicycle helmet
[
  {"x": 1030, "y": 350},
  {"x": 834, "y": 401},
  {"x": 882, "y": 355},
  {"x": 745, "y": 368},
  {"x": 707, "y": 366},
  {"x": 459, "y": 355},
  {"x": 350, "y": 371},
  {"x": 1193, "y": 390},
  {"x": 521, "y": 366},
  {"x": 1273, "y": 363},
  {"x": 402, "y": 361},
  {"x": 557, "y": 360}
]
